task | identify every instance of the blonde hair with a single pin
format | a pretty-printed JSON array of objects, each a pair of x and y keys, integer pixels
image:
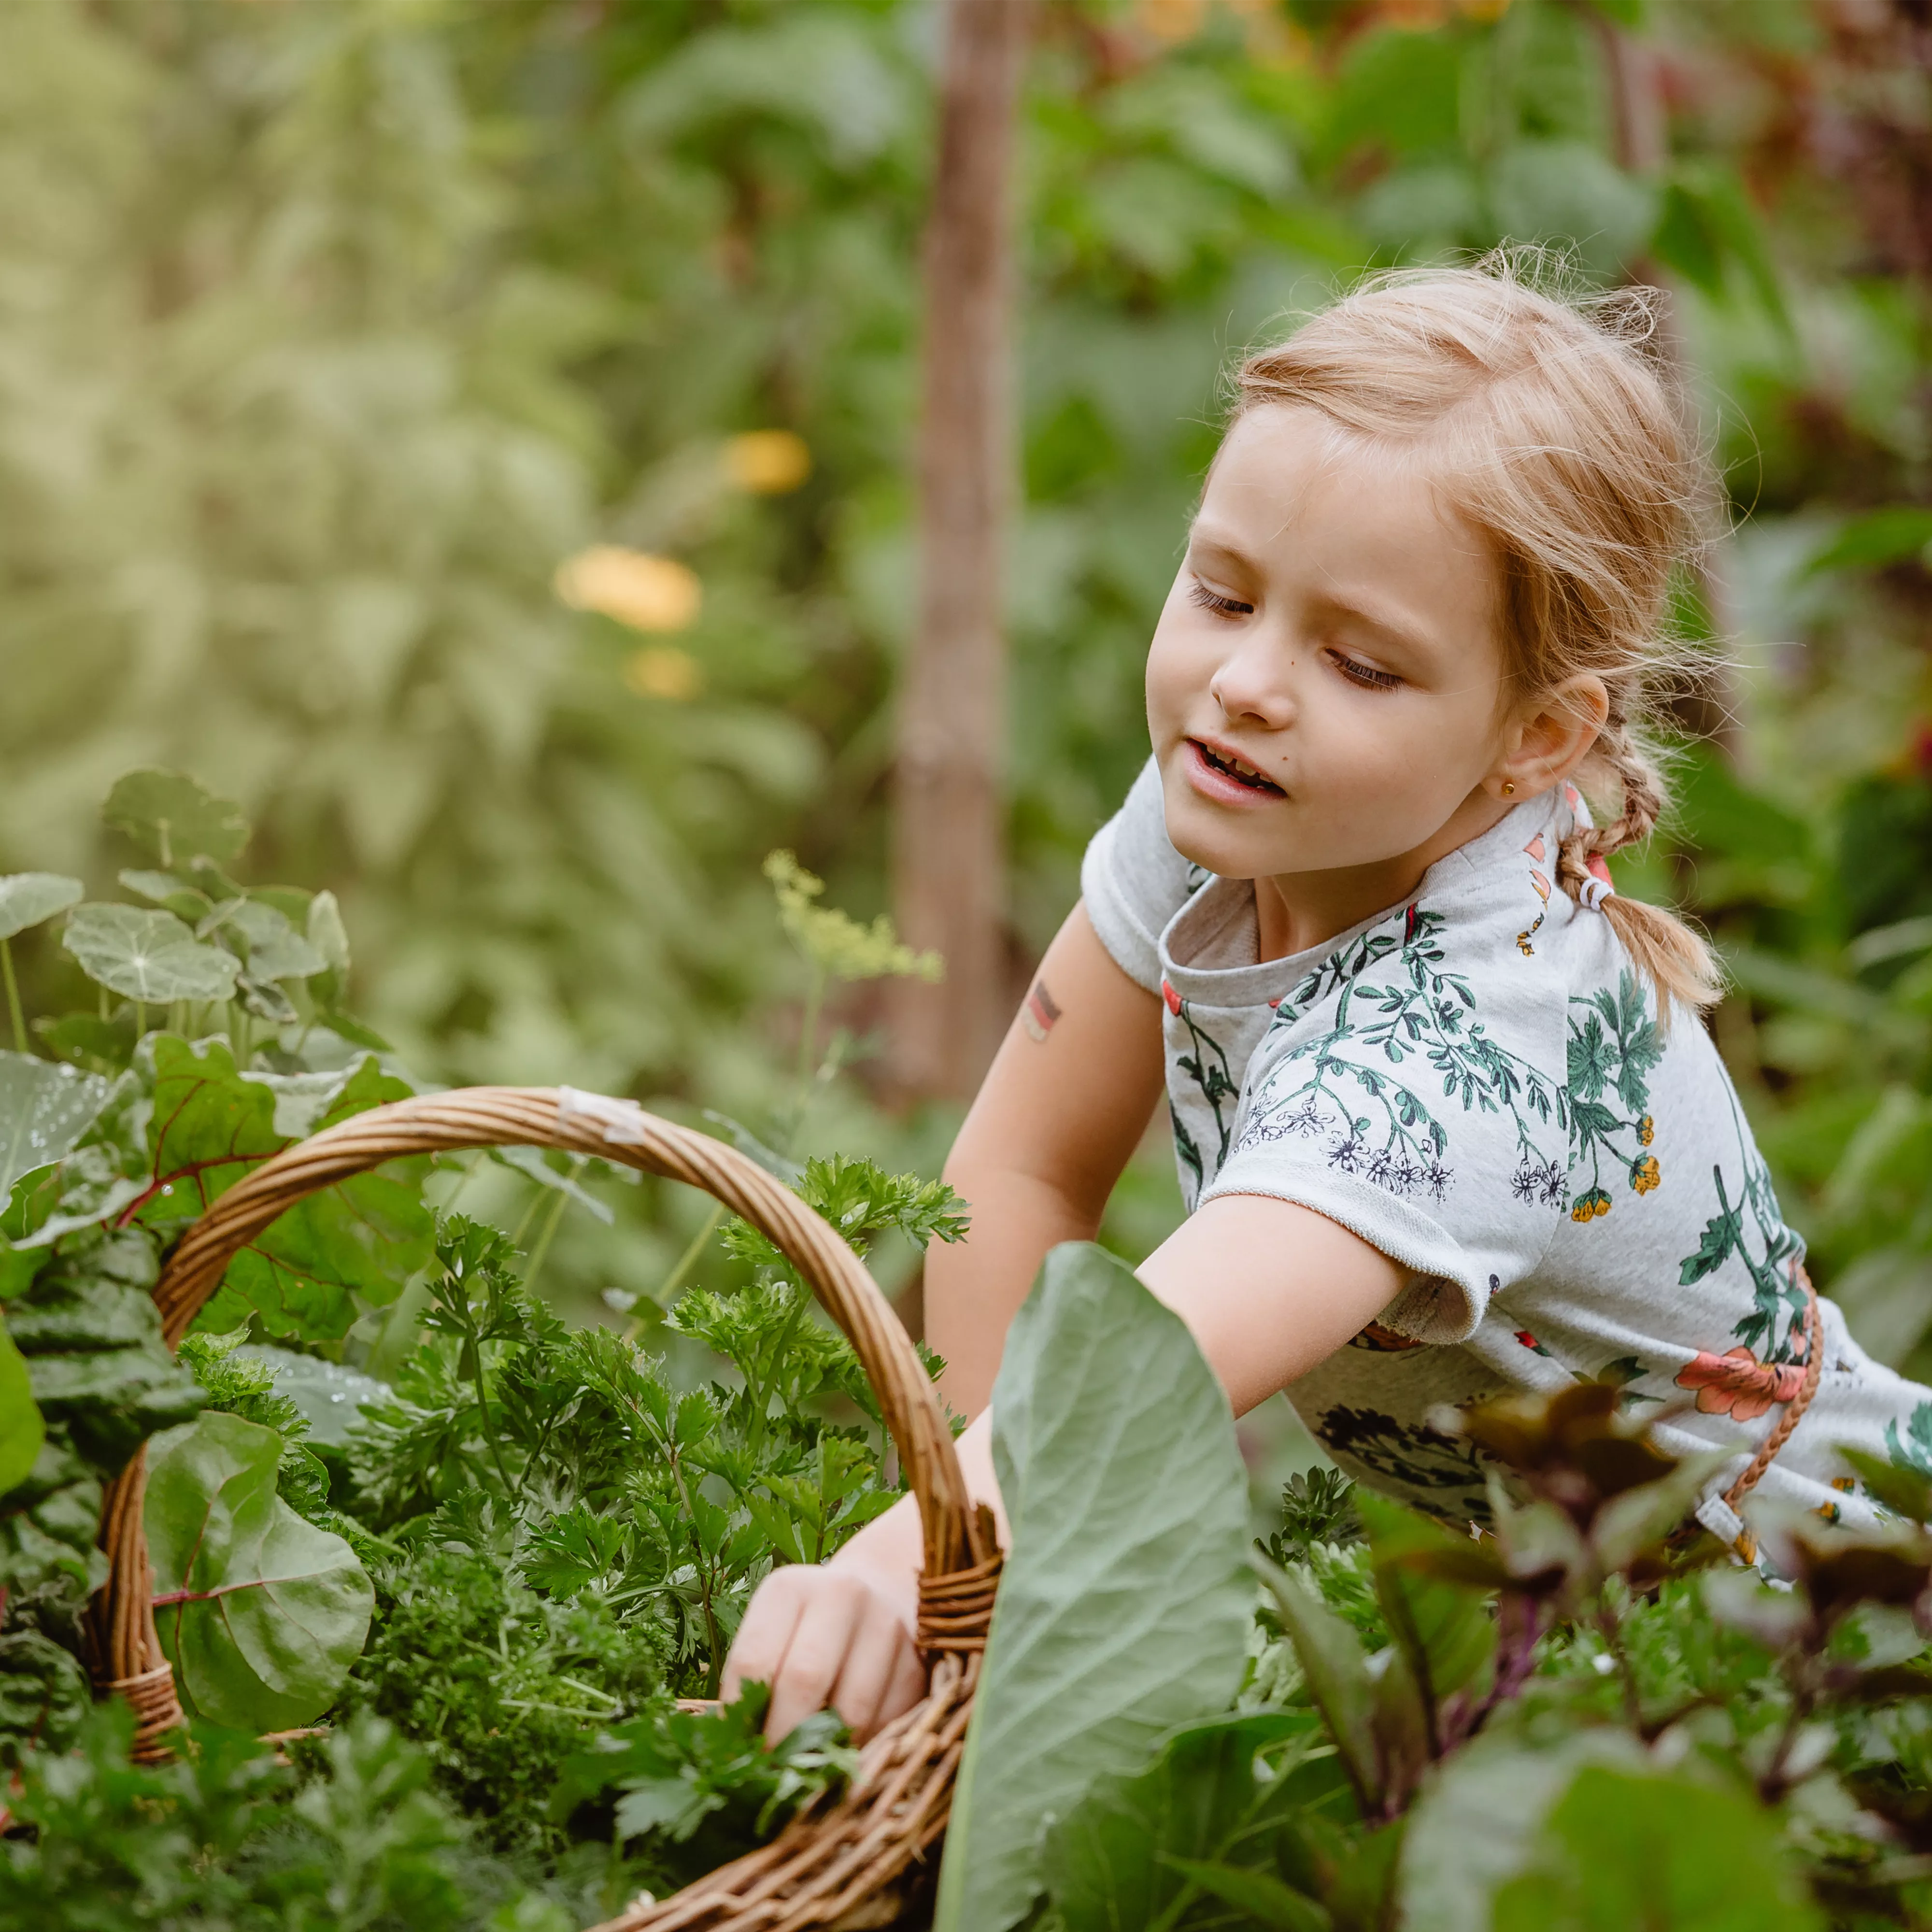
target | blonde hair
[{"x": 1554, "y": 430}]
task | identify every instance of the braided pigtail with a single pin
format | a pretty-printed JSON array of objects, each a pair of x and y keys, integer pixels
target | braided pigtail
[{"x": 1670, "y": 954}]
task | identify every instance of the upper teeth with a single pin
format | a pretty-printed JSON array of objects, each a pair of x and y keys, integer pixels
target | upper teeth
[{"x": 1246, "y": 771}]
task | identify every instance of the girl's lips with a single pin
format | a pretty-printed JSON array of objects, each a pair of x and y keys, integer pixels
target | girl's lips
[{"x": 1212, "y": 782}]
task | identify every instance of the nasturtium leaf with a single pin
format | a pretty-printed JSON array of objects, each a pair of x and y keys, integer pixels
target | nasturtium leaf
[
  {"x": 275, "y": 949},
  {"x": 45, "y": 1107},
  {"x": 328, "y": 935},
  {"x": 1124, "y": 1606},
  {"x": 165, "y": 889},
  {"x": 261, "y": 1614},
  {"x": 21, "y": 1431},
  {"x": 174, "y": 819},
  {"x": 150, "y": 956},
  {"x": 28, "y": 898}
]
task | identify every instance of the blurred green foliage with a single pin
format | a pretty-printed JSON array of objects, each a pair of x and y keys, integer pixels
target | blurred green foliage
[{"x": 329, "y": 331}]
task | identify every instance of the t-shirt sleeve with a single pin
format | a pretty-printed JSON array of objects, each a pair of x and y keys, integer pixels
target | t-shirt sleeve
[
  {"x": 1132, "y": 881},
  {"x": 1411, "y": 1087}
]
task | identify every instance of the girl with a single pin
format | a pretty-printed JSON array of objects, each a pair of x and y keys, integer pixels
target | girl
[{"x": 1448, "y": 1125}]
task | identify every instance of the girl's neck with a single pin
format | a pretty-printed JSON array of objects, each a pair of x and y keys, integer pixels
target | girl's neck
[{"x": 1296, "y": 911}]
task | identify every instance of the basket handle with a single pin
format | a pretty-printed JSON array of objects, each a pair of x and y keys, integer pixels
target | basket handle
[{"x": 959, "y": 1543}]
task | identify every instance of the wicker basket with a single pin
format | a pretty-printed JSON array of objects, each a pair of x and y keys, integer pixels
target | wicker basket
[{"x": 848, "y": 1863}]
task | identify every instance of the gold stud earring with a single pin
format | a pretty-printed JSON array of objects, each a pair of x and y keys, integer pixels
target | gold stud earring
[{"x": 1509, "y": 788}]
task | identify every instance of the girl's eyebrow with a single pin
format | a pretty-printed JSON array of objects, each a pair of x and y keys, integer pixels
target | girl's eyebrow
[{"x": 1405, "y": 636}]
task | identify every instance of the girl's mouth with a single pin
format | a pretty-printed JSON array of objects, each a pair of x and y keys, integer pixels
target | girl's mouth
[{"x": 1220, "y": 774}]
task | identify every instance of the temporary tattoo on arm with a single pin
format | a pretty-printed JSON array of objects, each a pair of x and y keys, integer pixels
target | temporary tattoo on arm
[{"x": 1039, "y": 1013}]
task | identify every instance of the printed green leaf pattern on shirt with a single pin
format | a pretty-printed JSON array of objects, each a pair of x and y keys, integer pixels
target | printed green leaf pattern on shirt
[
  {"x": 1613, "y": 1050},
  {"x": 1424, "y": 1013},
  {"x": 1775, "y": 1326}
]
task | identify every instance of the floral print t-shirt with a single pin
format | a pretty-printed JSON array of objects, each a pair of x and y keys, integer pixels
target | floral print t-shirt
[{"x": 1476, "y": 1082}]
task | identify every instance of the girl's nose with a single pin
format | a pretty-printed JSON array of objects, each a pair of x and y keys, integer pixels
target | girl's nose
[{"x": 1254, "y": 685}]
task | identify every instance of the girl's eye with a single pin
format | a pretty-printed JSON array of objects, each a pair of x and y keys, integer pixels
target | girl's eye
[
  {"x": 1367, "y": 676},
  {"x": 1213, "y": 600}
]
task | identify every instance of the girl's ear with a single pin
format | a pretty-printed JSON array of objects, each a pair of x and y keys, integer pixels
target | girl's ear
[{"x": 1550, "y": 737}]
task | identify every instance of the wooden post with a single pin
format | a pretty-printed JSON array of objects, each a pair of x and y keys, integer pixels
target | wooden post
[
  {"x": 1704, "y": 706},
  {"x": 948, "y": 857}
]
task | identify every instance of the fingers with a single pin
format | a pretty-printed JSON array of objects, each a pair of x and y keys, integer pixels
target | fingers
[
  {"x": 874, "y": 1663},
  {"x": 758, "y": 1653},
  {"x": 833, "y": 1614},
  {"x": 825, "y": 1639}
]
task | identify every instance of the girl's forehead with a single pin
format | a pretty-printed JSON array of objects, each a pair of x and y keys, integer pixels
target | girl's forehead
[{"x": 1289, "y": 474}]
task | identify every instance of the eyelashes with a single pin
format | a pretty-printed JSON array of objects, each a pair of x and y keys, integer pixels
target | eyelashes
[
  {"x": 1213, "y": 600},
  {"x": 1363, "y": 676},
  {"x": 1367, "y": 675}
]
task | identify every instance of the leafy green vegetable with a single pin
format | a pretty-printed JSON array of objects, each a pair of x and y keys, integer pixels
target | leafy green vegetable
[
  {"x": 335, "y": 1252},
  {"x": 44, "y": 1109},
  {"x": 147, "y": 956},
  {"x": 705, "y": 1786},
  {"x": 499, "y": 1685},
  {"x": 1123, "y": 1605},
  {"x": 22, "y": 1433},
  {"x": 174, "y": 819},
  {"x": 26, "y": 898},
  {"x": 227, "y": 1834},
  {"x": 261, "y": 1614}
]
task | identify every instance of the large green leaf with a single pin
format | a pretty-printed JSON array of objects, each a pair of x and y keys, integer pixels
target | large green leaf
[
  {"x": 28, "y": 898},
  {"x": 261, "y": 1614},
  {"x": 310, "y": 1273},
  {"x": 1124, "y": 1607},
  {"x": 173, "y": 819},
  {"x": 150, "y": 956},
  {"x": 21, "y": 1431},
  {"x": 45, "y": 1107}
]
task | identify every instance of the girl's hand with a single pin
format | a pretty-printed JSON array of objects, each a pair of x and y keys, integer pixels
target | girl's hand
[{"x": 838, "y": 1635}]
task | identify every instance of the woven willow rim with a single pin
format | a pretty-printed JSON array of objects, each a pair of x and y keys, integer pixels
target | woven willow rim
[{"x": 842, "y": 1863}]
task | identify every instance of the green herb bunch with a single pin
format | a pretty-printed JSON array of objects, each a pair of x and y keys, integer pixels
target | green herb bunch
[{"x": 511, "y": 1558}]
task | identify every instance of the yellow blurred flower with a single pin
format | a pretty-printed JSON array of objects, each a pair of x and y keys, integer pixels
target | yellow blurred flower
[
  {"x": 1172, "y": 20},
  {"x": 1644, "y": 1174},
  {"x": 663, "y": 670},
  {"x": 767, "y": 462},
  {"x": 648, "y": 593},
  {"x": 1646, "y": 1131}
]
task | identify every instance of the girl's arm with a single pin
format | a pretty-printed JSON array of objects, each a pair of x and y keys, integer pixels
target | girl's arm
[
  {"x": 1269, "y": 1290},
  {"x": 1062, "y": 1106}
]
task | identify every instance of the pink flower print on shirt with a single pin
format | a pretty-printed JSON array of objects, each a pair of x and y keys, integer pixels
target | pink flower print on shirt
[{"x": 1736, "y": 1384}]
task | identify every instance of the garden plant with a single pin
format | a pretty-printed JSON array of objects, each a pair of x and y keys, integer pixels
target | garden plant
[
  {"x": 480, "y": 438},
  {"x": 431, "y": 1632}
]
